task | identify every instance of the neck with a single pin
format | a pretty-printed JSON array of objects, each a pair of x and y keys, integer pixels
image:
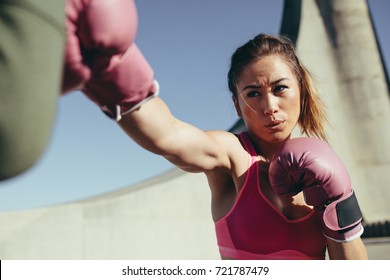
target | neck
[{"x": 266, "y": 149}]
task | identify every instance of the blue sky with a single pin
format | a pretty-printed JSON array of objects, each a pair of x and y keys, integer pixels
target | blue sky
[{"x": 189, "y": 44}]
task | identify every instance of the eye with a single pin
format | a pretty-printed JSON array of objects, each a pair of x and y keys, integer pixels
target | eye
[
  {"x": 279, "y": 88},
  {"x": 252, "y": 94}
]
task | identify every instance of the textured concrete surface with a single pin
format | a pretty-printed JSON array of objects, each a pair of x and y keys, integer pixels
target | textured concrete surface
[
  {"x": 166, "y": 218},
  {"x": 338, "y": 45},
  {"x": 378, "y": 248}
]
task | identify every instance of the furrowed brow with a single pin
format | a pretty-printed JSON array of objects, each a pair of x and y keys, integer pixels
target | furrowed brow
[
  {"x": 253, "y": 86},
  {"x": 279, "y": 80}
]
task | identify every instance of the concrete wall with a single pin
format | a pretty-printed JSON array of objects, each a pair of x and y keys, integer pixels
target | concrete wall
[
  {"x": 337, "y": 44},
  {"x": 163, "y": 218}
]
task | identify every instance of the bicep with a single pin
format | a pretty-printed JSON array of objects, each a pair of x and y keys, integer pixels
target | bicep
[{"x": 194, "y": 150}]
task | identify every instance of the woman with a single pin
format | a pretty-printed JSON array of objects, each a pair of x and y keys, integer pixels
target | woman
[{"x": 272, "y": 93}]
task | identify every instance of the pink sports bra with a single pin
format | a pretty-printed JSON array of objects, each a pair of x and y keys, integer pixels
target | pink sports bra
[{"x": 255, "y": 229}]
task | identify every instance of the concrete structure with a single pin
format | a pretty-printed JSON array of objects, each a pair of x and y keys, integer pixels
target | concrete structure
[
  {"x": 168, "y": 217},
  {"x": 337, "y": 43}
]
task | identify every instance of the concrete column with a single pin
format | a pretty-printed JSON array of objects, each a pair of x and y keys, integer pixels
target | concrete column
[
  {"x": 337, "y": 43},
  {"x": 365, "y": 97}
]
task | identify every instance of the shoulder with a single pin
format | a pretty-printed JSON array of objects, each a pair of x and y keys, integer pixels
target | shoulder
[
  {"x": 229, "y": 141},
  {"x": 232, "y": 146}
]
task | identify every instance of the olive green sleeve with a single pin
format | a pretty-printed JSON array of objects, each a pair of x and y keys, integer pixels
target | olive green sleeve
[{"x": 32, "y": 39}]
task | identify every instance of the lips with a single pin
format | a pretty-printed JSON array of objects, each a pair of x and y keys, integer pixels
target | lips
[{"x": 275, "y": 124}]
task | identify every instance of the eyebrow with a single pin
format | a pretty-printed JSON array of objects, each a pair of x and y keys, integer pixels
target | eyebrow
[{"x": 257, "y": 86}]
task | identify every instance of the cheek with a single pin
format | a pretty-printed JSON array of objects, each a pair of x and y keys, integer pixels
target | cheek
[
  {"x": 297, "y": 105},
  {"x": 292, "y": 106},
  {"x": 297, "y": 113},
  {"x": 244, "y": 109},
  {"x": 250, "y": 111}
]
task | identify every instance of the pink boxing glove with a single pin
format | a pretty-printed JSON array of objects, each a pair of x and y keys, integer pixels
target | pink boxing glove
[
  {"x": 310, "y": 165},
  {"x": 101, "y": 58}
]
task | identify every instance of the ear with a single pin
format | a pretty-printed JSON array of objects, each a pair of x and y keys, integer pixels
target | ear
[{"x": 237, "y": 106}]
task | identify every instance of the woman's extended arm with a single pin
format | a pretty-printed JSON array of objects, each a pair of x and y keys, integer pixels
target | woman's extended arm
[{"x": 154, "y": 128}]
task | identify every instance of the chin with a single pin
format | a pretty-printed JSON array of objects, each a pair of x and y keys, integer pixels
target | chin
[
  {"x": 275, "y": 137},
  {"x": 279, "y": 137}
]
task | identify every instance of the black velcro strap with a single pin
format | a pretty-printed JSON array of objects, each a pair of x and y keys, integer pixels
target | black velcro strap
[{"x": 348, "y": 211}]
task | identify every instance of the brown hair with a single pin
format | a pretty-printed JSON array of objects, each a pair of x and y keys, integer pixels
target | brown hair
[{"x": 313, "y": 115}]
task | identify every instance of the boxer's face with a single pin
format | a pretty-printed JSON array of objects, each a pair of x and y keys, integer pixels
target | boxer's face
[{"x": 268, "y": 99}]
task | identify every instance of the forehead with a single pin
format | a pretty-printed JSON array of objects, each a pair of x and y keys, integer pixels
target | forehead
[{"x": 265, "y": 70}]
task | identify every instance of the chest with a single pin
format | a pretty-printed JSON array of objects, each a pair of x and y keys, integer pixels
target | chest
[
  {"x": 226, "y": 191},
  {"x": 291, "y": 207},
  {"x": 263, "y": 222}
]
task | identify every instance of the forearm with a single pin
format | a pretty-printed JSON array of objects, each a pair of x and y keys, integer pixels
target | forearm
[
  {"x": 149, "y": 125},
  {"x": 352, "y": 250}
]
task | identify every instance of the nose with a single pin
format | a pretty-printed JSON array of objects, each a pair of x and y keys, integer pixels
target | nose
[{"x": 270, "y": 105}]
